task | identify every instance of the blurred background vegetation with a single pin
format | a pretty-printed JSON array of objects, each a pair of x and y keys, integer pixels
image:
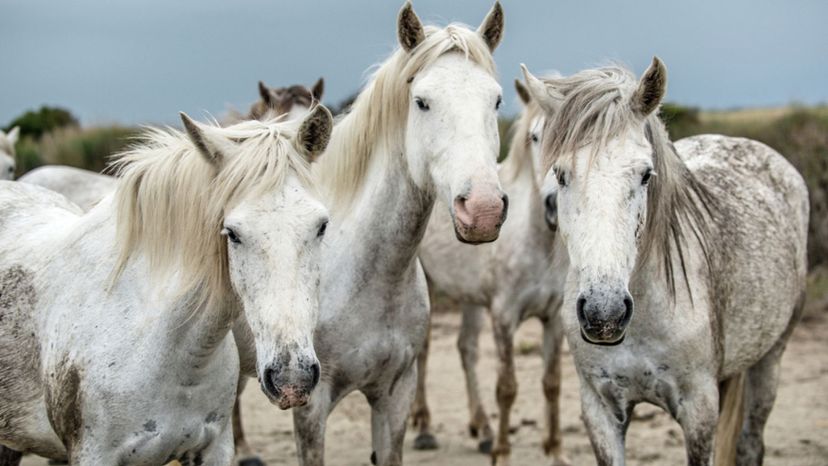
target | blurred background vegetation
[{"x": 53, "y": 136}]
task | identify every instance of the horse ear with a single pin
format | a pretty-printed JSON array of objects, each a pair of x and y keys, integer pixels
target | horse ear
[
  {"x": 318, "y": 89},
  {"x": 264, "y": 92},
  {"x": 13, "y": 135},
  {"x": 522, "y": 92},
  {"x": 547, "y": 97},
  {"x": 651, "y": 89},
  {"x": 492, "y": 26},
  {"x": 204, "y": 142},
  {"x": 410, "y": 30},
  {"x": 315, "y": 132}
]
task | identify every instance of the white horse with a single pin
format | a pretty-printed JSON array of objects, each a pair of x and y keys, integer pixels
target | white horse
[
  {"x": 115, "y": 343},
  {"x": 7, "y": 153},
  {"x": 424, "y": 127},
  {"x": 86, "y": 188},
  {"x": 83, "y": 187},
  {"x": 514, "y": 279},
  {"x": 705, "y": 241}
]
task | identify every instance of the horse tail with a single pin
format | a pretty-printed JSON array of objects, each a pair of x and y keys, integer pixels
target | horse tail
[{"x": 731, "y": 412}]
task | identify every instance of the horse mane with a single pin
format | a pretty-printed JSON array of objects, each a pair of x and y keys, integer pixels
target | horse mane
[
  {"x": 596, "y": 108},
  {"x": 519, "y": 157},
  {"x": 376, "y": 121},
  {"x": 171, "y": 201}
]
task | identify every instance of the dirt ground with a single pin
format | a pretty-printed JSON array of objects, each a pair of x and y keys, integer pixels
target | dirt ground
[{"x": 797, "y": 433}]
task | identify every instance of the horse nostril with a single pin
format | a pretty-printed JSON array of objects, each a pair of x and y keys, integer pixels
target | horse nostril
[
  {"x": 551, "y": 215},
  {"x": 269, "y": 381},
  {"x": 552, "y": 203},
  {"x": 315, "y": 371},
  {"x": 505, "y": 200},
  {"x": 628, "y": 305},
  {"x": 579, "y": 309}
]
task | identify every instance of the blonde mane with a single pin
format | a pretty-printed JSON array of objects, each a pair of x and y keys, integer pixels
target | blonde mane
[
  {"x": 377, "y": 119},
  {"x": 596, "y": 108},
  {"x": 519, "y": 158},
  {"x": 171, "y": 201}
]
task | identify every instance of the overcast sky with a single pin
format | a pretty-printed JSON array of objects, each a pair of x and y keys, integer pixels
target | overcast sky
[{"x": 143, "y": 61}]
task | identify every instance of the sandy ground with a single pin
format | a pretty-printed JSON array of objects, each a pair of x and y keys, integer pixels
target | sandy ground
[{"x": 797, "y": 433}]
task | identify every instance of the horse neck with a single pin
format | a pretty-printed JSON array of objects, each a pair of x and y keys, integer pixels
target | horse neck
[
  {"x": 390, "y": 216},
  {"x": 203, "y": 329}
]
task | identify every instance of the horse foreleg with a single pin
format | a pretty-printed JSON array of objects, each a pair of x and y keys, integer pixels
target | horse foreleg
[
  {"x": 220, "y": 451},
  {"x": 9, "y": 457},
  {"x": 389, "y": 416},
  {"x": 698, "y": 415},
  {"x": 244, "y": 454},
  {"x": 467, "y": 343},
  {"x": 552, "y": 343},
  {"x": 605, "y": 429},
  {"x": 420, "y": 414},
  {"x": 309, "y": 429},
  {"x": 506, "y": 389}
]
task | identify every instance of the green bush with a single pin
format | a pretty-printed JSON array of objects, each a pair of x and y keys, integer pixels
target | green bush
[
  {"x": 35, "y": 124},
  {"x": 88, "y": 148},
  {"x": 680, "y": 119}
]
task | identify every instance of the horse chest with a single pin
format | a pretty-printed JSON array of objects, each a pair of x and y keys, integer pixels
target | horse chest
[
  {"x": 624, "y": 379},
  {"x": 164, "y": 438}
]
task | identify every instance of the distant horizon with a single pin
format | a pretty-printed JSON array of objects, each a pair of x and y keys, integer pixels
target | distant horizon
[
  {"x": 126, "y": 63},
  {"x": 220, "y": 116}
]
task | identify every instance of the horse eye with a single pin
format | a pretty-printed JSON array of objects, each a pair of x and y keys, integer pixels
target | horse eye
[
  {"x": 421, "y": 104},
  {"x": 534, "y": 137},
  {"x": 231, "y": 235},
  {"x": 645, "y": 178},
  {"x": 499, "y": 102},
  {"x": 322, "y": 229}
]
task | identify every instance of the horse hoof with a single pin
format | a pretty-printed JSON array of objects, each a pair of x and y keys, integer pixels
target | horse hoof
[
  {"x": 425, "y": 441},
  {"x": 473, "y": 431},
  {"x": 374, "y": 458},
  {"x": 252, "y": 461},
  {"x": 485, "y": 446}
]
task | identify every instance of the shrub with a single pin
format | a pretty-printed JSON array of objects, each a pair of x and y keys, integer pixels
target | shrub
[
  {"x": 88, "y": 148},
  {"x": 35, "y": 124}
]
